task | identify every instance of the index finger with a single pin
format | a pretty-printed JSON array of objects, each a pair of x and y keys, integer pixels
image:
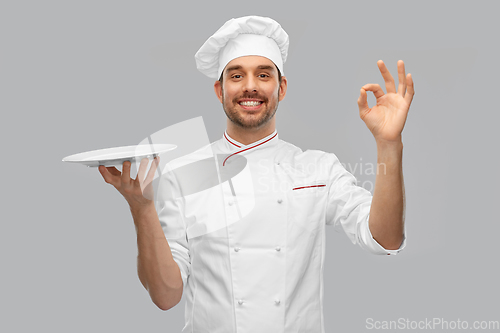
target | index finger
[{"x": 109, "y": 175}]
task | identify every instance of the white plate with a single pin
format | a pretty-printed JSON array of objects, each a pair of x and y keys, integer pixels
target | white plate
[{"x": 116, "y": 156}]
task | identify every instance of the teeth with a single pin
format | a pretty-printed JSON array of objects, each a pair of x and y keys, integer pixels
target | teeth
[{"x": 250, "y": 103}]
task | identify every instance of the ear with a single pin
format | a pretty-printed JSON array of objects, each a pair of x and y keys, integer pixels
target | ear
[
  {"x": 218, "y": 90},
  {"x": 282, "y": 90}
]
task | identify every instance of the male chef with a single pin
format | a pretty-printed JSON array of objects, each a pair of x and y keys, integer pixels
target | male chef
[{"x": 249, "y": 253}]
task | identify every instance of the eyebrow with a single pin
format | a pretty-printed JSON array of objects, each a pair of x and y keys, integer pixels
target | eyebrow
[
  {"x": 233, "y": 68},
  {"x": 238, "y": 67},
  {"x": 267, "y": 67}
]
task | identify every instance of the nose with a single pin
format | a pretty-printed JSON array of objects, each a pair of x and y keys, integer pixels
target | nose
[{"x": 250, "y": 84}]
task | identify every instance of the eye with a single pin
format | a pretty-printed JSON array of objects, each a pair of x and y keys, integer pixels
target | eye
[
  {"x": 236, "y": 76},
  {"x": 263, "y": 75}
]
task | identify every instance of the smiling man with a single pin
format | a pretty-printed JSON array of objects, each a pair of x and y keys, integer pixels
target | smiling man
[
  {"x": 251, "y": 259},
  {"x": 250, "y": 90}
]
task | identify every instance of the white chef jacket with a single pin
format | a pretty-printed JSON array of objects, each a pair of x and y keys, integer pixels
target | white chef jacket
[{"x": 251, "y": 250}]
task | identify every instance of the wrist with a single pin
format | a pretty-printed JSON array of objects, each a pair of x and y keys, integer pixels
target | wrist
[
  {"x": 143, "y": 210},
  {"x": 395, "y": 144},
  {"x": 389, "y": 153}
]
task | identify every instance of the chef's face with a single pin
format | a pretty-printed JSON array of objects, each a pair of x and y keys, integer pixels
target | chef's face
[{"x": 250, "y": 91}]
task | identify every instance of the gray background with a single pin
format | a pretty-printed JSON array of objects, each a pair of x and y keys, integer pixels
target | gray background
[{"x": 83, "y": 75}]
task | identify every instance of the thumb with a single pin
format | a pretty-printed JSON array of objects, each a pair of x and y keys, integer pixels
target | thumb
[{"x": 363, "y": 102}]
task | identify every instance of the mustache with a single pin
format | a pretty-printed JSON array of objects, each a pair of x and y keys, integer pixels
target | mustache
[{"x": 250, "y": 96}]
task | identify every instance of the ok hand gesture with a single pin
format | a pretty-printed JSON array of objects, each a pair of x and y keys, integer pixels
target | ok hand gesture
[{"x": 387, "y": 119}]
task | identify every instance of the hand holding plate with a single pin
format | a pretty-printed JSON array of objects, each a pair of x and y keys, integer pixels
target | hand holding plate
[{"x": 139, "y": 191}]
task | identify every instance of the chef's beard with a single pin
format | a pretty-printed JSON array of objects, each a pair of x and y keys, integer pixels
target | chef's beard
[{"x": 253, "y": 123}]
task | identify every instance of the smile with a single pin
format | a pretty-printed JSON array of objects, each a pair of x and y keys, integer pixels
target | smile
[{"x": 250, "y": 103}]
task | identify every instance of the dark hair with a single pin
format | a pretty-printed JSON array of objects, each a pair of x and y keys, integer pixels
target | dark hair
[{"x": 279, "y": 75}]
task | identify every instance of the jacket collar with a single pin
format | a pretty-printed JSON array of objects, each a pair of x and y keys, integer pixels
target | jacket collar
[
  {"x": 267, "y": 141},
  {"x": 237, "y": 147}
]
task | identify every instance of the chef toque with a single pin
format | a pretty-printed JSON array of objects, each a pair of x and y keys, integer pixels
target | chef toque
[{"x": 244, "y": 36}]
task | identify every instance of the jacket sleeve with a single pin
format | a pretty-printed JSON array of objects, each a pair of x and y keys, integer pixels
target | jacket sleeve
[
  {"x": 170, "y": 211},
  {"x": 348, "y": 208}
]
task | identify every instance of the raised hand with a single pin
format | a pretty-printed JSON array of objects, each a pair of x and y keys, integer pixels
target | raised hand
[
  {"x": 138, "y": 192},
  {"x": 387, "y": 118}
]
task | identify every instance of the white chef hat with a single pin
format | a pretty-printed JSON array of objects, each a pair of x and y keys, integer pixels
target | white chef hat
[{"x": 244, "y": 36}]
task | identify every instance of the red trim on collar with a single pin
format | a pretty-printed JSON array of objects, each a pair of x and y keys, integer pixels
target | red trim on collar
[
  {"x": 231, "y": 141},
  {"x": 249, "y": 148}
]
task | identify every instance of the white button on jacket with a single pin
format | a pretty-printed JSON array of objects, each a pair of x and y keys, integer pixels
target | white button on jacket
[{"x": 281, "y": 195}]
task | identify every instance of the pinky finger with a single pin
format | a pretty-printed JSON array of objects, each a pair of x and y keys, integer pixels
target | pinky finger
[
  {"x": 410, "y": 89},
  {"x": 152, "y": 170}
]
